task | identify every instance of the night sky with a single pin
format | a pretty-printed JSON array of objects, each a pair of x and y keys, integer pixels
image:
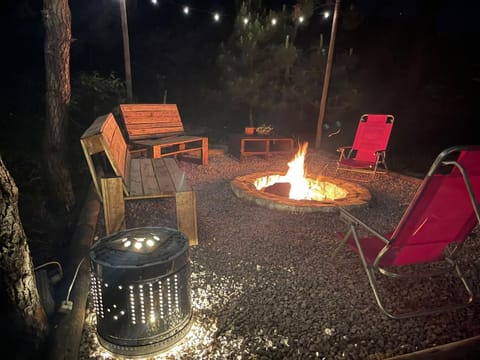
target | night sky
[{"x": 415, "y": 59}]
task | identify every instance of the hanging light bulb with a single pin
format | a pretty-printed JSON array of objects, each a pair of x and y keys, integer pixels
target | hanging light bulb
[
  {"x": 154, "y": 2},
  {"x": 274, "y": 21},
  {"x": 186, "y": 10},
  {"x": 301, "y": 19},
  {"x": 216, "y": 17},
  {"x": 326, "y": 14},
  {"x": 245, "y": 20}
]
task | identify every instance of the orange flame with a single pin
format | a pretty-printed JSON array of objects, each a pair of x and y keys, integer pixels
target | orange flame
[{"x": 296, "y": 174}]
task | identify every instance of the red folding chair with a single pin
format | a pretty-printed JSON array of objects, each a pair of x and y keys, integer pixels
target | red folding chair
[
  {"x": 368, "y": 152},
  {"x": 441, "y": 216}
]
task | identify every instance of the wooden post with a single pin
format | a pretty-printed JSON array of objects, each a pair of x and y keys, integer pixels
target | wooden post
[
  {"x": 204, "y": 152},
  {"x": 326, "y": 81},
  {"x": 126, "y": 51}
]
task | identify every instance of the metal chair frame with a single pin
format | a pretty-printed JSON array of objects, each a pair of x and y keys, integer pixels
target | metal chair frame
[
  {"x": 347, "y": 160},
  {"x": 449, "y": 256}
]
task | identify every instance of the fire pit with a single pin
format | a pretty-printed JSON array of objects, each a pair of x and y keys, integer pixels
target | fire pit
[{"x": 295, "y": 191}]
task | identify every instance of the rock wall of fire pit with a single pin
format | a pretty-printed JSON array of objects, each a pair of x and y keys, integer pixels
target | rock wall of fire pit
[{"x": 244, "y": 188}]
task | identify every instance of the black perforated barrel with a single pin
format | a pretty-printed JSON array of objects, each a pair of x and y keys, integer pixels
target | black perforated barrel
[{"x": 140, "y": 284}]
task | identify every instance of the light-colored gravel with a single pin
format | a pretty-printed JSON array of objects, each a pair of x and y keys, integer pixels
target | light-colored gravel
[{"x": 264, "y": 285}]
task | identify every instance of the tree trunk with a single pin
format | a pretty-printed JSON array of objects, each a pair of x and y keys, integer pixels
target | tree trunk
[
  {"x": 26, "y": 320},
  {"x": 58, "y": 37}
]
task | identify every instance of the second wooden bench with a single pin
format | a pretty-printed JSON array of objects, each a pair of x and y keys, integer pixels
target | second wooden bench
[{"x": 159, "y": 128}]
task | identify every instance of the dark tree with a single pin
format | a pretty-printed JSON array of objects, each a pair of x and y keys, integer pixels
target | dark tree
[
  {"x": 58, "y": 37},
  {"x": 262, "y": 68},
  {"x": 23, "y": 315}
]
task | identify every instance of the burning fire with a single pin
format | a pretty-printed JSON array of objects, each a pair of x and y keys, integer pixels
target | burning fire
[
  {"x": 302, "y": 187},
  {"x": 296, "y": 175}
]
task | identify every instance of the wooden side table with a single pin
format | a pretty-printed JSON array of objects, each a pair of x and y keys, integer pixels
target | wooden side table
[{"x": 244, "y": 145}]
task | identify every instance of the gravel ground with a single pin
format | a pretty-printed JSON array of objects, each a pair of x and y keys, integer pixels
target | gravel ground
[{"x": 264, "y": 285}]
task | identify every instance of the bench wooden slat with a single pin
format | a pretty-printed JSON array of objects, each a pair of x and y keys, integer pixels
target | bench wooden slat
[
  {"x": 178, "y": 176},
  {"x": 149, "y": 181},
  {"x": 138, "y": 122},
  {"x": 145, "y": 130},
  {"x": 163, "y": 177},
  {"x": 135, "y": 183},
  {"x": 171, "y": 140},
  {"x": 149, "y": 107}
]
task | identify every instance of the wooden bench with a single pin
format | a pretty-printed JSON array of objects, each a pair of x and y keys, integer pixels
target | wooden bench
[
  {"x": 134, "y": 178},
  {"x": 158, "y": 127}
]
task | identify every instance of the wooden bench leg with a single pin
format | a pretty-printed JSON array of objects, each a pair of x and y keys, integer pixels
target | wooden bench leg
[
  {"x": 187, "y": 215},
  {"x": 204, "y": 152},
  {"x": 113, "y": 204}
]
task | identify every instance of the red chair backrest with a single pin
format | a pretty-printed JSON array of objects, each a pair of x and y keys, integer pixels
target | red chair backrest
[
  {"x": 373, "y": 134},
  {"x": 440, "y": 213}
]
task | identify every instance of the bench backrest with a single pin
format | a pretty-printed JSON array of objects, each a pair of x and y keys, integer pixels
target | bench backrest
[
  {"x": 116, "y": 147},
  {"x": 147, "y": 121},
  {"x": 104, "y": 135}
]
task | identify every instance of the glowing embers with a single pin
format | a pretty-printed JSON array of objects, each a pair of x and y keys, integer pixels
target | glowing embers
[
  {"x": 315, "y": 190},
  {"x": 141, "y": 299}
]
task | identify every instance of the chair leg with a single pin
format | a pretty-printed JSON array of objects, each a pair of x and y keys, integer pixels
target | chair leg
[
  {"x": 341, "y": 245},
  {"x": 467, "y": 287},
  {"x": 370, "y": 271}
]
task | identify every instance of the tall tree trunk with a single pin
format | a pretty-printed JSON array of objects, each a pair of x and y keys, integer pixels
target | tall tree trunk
[
  {"x": 58, "y": 37},
  {"x": 26, "y": 320}
]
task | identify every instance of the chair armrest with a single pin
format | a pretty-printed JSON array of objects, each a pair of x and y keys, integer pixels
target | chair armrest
[
  {"x": 352, "y": 220},
  {"x": 343, "y": 154},
  {"x": 343, "y": 148}
]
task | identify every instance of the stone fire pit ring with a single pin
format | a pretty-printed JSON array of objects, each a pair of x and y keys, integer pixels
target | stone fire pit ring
[{"x": 244, "y": 188}]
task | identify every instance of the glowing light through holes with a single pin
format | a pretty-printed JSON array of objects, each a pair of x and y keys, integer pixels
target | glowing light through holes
[
  {"x": 131, "y": 295},
  {"x": 140, "y": 243}
]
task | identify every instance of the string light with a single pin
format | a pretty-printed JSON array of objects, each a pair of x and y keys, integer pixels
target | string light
[{"x": 187, "y": 10}]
